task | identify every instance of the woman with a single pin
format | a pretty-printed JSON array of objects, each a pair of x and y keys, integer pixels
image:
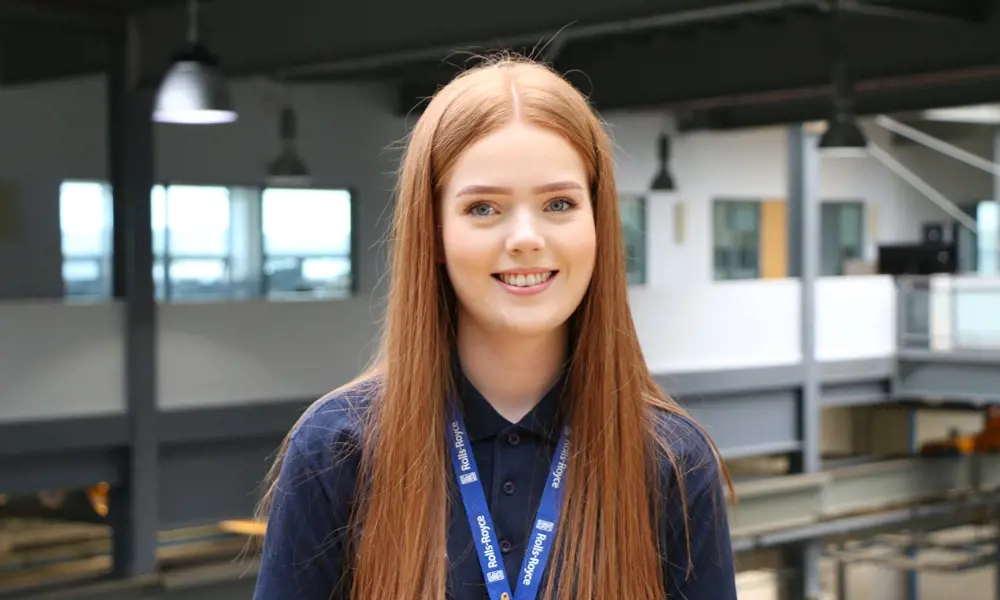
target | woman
[{"x": 509, "y": 441}]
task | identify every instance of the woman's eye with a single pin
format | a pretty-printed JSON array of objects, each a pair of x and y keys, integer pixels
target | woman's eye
[
  {"x": 561, "y": 205},
  {"x": 481, "y": 210}
]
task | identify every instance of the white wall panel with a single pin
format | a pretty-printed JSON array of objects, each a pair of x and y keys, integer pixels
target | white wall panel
[{"x": 59, "y": 361}]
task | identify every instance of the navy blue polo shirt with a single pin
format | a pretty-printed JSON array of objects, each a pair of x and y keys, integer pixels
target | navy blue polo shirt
[{"x": 303, "y": 556}]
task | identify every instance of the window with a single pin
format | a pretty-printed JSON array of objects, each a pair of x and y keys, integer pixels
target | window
[
  {"x": 633, "y": 216},
  {"x": 842, "y": 235},
  {"x": 307, "y": 242},
  {"x": 85, "y": 220},
  {"x": 736, "y": 239},
  {"x": 217, "y": 243},
  {"x": 192, "y": 248}
]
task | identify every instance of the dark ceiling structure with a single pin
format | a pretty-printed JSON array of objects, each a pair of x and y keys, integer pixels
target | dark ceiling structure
[{"x": 716, "y": 63}]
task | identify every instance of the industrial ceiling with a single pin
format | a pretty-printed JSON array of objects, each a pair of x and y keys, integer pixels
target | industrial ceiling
[{"x": 718, "y": 63}]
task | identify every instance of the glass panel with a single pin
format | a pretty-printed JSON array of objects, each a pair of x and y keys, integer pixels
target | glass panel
[
  {"x": 736, "y": 243},
  {"x": 633, "y": 216},
  {"x": 307, "y": 242},
  {"x": 159, "y": 219},
  {"x": 197, "y": 220},
  {"x": 842, "y": 235},
  {"x": 306, "y": 222},
  {"x": 159, "y": 281},
  {"x": 199, "y": 278},
  {"x": 743, "y": 218},
  {"x": 829, "y": 239},
  {"x": 719, "y": 228},
  {"x": 850, "y": 225},
  {"x": 313, "y": 277},
  {"x": 85, "y": 221}
]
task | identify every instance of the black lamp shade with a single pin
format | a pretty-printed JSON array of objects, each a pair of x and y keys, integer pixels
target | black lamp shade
[{"x": 843, "y": 136}]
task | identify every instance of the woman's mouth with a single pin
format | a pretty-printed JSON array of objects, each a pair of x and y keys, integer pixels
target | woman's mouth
[{"x": 526, "y": 281}]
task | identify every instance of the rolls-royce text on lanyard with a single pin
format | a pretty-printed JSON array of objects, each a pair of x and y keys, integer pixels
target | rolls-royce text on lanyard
[{"x": 474, "y": 498}]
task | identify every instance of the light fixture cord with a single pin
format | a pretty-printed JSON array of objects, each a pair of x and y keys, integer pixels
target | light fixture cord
[
  {"x": 663, "y": 150},
  {"x": 288, "y": 126},
  {"x": 840, "y": 75},
  {"x": 192, "y": 22}
]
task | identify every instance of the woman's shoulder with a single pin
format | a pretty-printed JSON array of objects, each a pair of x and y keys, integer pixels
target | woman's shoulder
[{"x": 333, "y": 425}]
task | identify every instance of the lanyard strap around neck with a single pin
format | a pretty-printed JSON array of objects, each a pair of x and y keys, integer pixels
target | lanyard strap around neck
[{"x": 481, "y": 522}]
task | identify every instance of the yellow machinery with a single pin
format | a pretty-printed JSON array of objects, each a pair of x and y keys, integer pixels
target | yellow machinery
[{"x": 986, "y": 441}]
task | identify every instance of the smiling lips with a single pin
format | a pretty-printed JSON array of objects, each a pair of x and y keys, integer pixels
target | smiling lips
[{"x": 525, "y": 281}]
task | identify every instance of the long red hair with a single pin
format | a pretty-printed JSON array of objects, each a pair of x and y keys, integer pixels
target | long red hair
[{"x": 607, "y": 542}]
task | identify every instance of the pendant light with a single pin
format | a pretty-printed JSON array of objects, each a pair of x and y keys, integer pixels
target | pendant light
[
  {"x": 663, "y": 181},
  {"x": 288, "y": 169},
  {"x": 843, "y": 137},
  {"x": 194, "y": 91}
]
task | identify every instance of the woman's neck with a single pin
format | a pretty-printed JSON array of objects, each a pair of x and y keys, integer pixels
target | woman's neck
[{"x": 513, "y": 372}]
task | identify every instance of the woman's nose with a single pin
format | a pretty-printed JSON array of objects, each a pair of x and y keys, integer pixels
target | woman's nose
[{"x": 524, "y": 235}]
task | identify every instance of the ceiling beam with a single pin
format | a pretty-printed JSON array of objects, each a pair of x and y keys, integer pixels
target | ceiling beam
[
  {"x": 893, "y": 95},
  {"x": 60, "y": 18},
  {"x": 931, "y": 11},
  {"x": 306, "y": 38},
  {"x": 721, "y": 79},
  {"x": 661, "y": 21}
]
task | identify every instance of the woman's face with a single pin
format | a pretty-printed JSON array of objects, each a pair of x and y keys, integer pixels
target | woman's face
[{"x": 518, "y": 231}]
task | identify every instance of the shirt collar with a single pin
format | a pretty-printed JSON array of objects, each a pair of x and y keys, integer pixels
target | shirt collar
[{"x": 483, "y": 421}]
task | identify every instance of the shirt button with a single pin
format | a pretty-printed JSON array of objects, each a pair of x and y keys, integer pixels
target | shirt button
[
  {"x": 513, "y": 439},
  {"x": 509, "y": 487},
  {"x": 504, "y": 546}
]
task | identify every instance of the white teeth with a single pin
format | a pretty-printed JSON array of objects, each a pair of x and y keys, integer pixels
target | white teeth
[{"x": 522, "y": 280}]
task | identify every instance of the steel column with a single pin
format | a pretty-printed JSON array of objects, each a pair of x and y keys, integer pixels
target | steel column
[
  {"x": 134, "y": 505},
  {"x": 803, "y": 249},
  {"x": 803, "y": 261}
]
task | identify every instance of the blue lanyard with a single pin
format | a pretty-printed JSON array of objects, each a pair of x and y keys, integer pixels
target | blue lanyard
[{"x": 481, "y": 523}]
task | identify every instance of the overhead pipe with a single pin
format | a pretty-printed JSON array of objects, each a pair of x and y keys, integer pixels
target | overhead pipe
[{"x": 660, "y": 21}]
